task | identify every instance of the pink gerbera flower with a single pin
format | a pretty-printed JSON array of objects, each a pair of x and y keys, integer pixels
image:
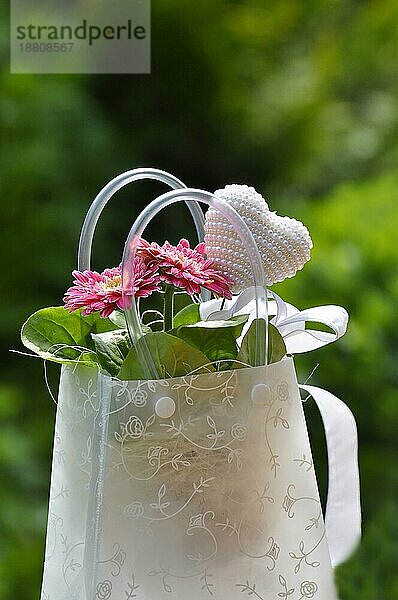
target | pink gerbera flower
[
  {"x": 185, "y": 267},
  {"x": 102, "y": 292}
]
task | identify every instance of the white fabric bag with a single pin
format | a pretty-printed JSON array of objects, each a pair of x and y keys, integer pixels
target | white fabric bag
[
  {"x": 195, "y": 487},
  {"x": 216, "y": 500}
]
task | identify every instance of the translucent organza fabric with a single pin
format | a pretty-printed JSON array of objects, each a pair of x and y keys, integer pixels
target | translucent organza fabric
[{"x": 194, "y": 487}]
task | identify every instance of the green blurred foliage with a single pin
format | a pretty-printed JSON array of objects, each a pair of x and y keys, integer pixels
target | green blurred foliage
[{"x": 298, "y": 98}]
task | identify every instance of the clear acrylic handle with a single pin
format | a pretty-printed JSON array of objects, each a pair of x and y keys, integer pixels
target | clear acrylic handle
[
  {"x": 192, "y": 197},
  {"x": 103, "y": 197}
]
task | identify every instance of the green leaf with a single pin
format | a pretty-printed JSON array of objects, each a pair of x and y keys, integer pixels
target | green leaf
[
  {"x": 172, "y": 356},
  {"x": 98, "y": 324},
  {"x": 187, "y": 316},
  {"x": 216, "y": 339},
  {"x": 276, "y": 345},
  {"x": 247, "y": 352},
  {"x": 53, "y": 333},
  {"x": 118, "y": 319},
  {"x": 112, "y": 348}
]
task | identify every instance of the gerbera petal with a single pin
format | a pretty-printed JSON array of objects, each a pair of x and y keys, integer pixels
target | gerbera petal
[
  {"x": 186, "y": 267},
  {"x": 102, "y": 292}
]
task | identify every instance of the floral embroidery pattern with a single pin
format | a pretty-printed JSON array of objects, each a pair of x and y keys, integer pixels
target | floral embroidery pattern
[
  {"x": 290, "y": 501},
  {"x": 239, "y": 432},
  {"x": 198, "y": 522},
  {"x": 282, "y": 391},
  {"x": 134, "y": 428},
  {"x": 140, "y": 397},
  {"x": 276, "y": 419},
  {"x": 250, "y": 589},
  {"x": 116, "y": 560},
  {"x": 207, "y": 483},
  {"x": 204, "y": 578},
  {"x": 273, "y": 552},
  {"x": 308, "y": 589},
  {"x": 132, "y": 587},
  {"x": 134, "y": 510},
  {"x": 305, "y": 462},
  {"x": 286, "y": 590},
  {"x": 104, "y": 590},
  {"x": 303, "y": 555}
]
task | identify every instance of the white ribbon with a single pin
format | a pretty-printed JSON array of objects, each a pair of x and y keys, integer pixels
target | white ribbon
[
  {"x": 291, "y": 324},
  {"x": 289, "y": 320},
  {"x": 343, "y": 508}
]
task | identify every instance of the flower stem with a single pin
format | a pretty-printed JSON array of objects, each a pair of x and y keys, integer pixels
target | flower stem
[{"x": 168, "y": 307}]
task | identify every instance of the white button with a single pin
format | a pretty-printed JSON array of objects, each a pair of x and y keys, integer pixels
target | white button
[
  {"x": 165, "y": 407},
  {"x": 261, "y": 394}
]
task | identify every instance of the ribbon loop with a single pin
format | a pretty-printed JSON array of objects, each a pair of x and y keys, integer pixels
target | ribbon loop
[
  {"x": 289, "y": 320},
  {"x": 343, "y": 508},
  {"x": 291, "y": 324}
]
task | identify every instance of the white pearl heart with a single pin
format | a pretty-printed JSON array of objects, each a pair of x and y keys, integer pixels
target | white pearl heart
[{"x": 284, "y": 243}]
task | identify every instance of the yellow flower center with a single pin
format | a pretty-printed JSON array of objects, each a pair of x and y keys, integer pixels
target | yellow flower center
[{"x": 112, "y": 283}]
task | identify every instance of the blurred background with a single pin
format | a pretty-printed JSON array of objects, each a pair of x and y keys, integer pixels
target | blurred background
[{"x": 297, "y": 98}]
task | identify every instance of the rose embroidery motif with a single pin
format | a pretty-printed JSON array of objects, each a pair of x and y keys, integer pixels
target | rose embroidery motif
[
  {"x": 239, "y": 432},
  {"x": 140, "y": 398},
  {"x": 134, "y": 510},
  {"x": 308, "y": 589},
  {"x": 104, "y": 590},
  {"x": 283, "y": 391},
  {"x": 134, "y": 427}
]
